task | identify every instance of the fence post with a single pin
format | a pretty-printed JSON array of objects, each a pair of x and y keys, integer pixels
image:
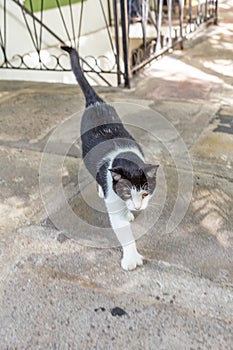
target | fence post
[
  {"x": 181, "y": 17},
  {"x": 117, "y": 54},
  {"x": 125, "y": 41},
  {"x": 216, "y": 13}
]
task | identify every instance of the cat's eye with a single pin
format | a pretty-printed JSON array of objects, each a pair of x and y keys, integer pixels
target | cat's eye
[{"x": 144, "y": 195}]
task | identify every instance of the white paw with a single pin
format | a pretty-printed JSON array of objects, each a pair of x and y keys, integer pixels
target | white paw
[
  {"x": 130, "y": 216},
  {"x": 131, "y": 262}
]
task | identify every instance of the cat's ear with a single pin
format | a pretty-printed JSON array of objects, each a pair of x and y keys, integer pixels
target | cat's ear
[
  {"x": 151, "y": 170},
  {"x": 115, "y": 172}
]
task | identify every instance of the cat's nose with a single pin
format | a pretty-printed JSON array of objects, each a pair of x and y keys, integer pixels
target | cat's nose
[{"x": 137, "y": 208}]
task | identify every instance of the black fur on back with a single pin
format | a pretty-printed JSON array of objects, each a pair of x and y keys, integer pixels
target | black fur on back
[{"x": 102, "y": 132}]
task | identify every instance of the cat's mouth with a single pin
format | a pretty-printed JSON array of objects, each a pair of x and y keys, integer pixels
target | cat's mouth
[{"x": 132, "y": 207}]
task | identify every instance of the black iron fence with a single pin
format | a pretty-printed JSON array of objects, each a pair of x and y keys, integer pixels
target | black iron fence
[{"x": 134, "y": 32}]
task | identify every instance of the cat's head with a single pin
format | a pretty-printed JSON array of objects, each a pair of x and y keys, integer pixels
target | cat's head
[{"x": 134, "y": 185}]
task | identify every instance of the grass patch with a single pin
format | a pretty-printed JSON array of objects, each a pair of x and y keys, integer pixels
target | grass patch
[{"x": 47, "y": 4}]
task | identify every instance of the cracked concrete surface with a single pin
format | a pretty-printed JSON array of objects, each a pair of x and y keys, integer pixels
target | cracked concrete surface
[{"x": 59, "y": 293}]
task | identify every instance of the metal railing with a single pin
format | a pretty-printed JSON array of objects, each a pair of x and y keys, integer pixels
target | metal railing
[
  {"x": 136, "y": 32},
  {"x": 166, "y": 24}
]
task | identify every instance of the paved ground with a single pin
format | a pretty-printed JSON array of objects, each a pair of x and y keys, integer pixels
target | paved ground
[{"x": 61, "y": 293}]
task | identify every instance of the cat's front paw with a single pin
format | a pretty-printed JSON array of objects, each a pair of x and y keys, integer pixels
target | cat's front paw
[
  {"x": 131, "y": 262},
  {"x": 130, "y": 216}
]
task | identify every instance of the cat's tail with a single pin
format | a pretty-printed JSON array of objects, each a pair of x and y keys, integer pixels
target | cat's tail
[{"x": 88, "y": 91}]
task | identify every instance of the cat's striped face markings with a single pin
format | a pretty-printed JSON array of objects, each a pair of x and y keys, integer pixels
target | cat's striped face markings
[{"x": 136, "y": 190}]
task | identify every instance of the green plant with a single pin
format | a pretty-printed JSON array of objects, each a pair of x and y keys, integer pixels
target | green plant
[{"x": 47, "y": 4}]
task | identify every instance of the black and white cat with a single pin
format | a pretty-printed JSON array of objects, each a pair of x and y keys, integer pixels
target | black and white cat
[{"x": 117, "y": 163}]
